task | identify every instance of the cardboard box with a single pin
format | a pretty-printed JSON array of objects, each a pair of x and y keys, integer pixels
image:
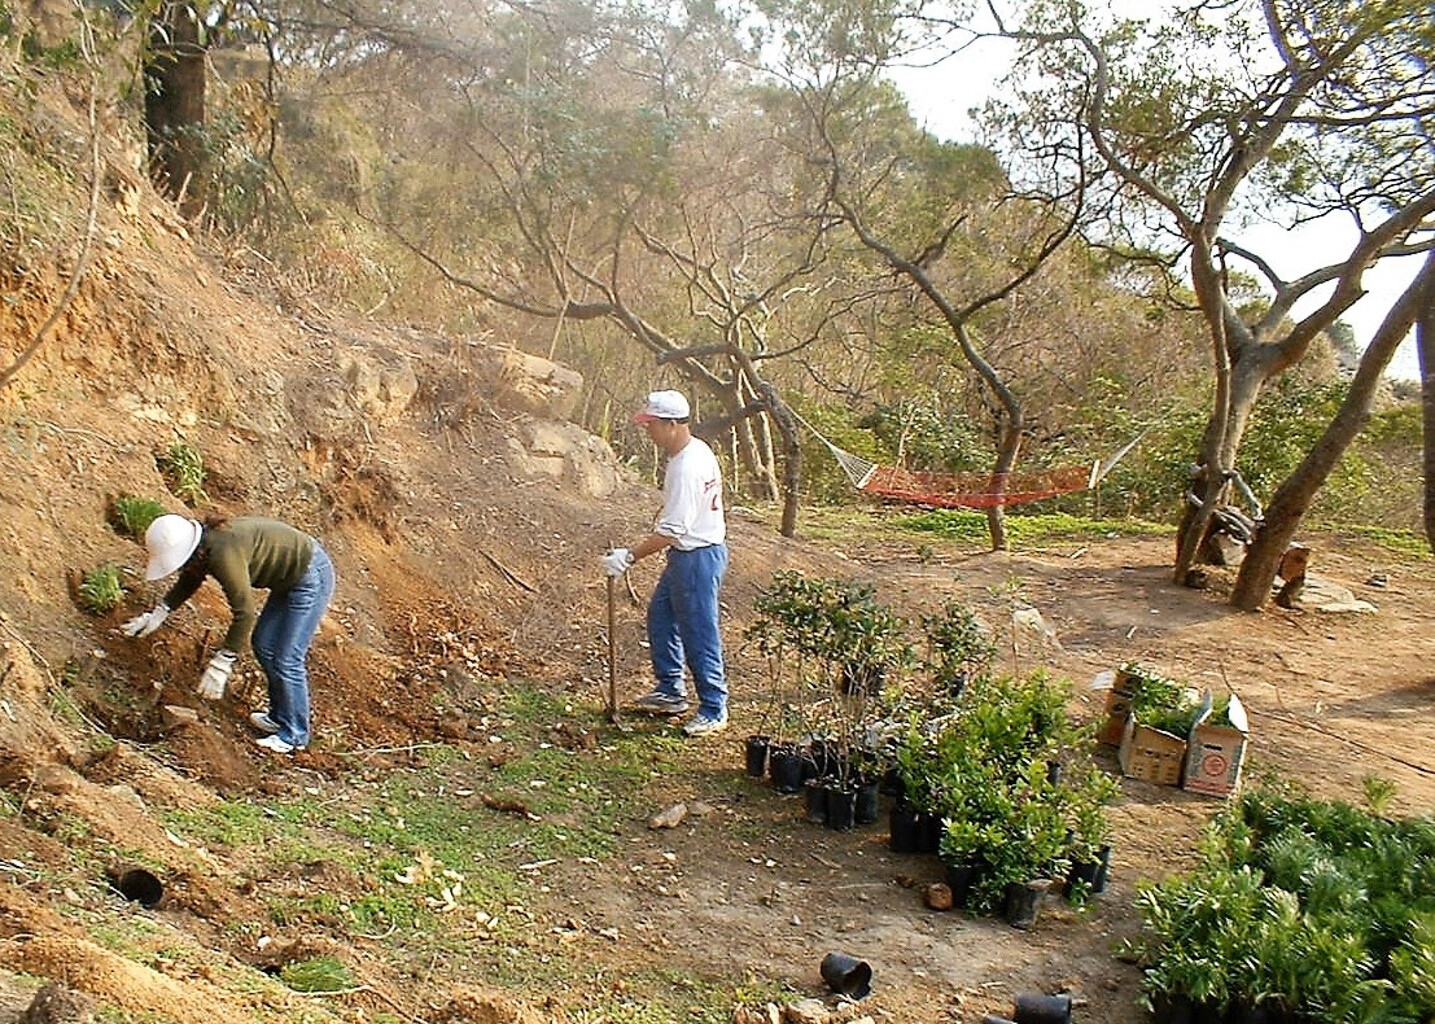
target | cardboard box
[
  {"x": 1118, "y": 708},
  {"x": 1151, "y": 754},
  {"x": 1216, "y": 753}
]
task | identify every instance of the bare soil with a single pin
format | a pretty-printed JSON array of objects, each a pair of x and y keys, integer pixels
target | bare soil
[{"x": 456, "y": 572}]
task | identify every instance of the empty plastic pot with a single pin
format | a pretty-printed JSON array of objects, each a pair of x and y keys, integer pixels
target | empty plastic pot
[
  {"x": 846, "y": 975},
  {"x": 1032, "y": 1008}
]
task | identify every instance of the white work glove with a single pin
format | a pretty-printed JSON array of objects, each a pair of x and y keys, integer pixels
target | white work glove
[
  {"x": 144, "y": 625},
  {"x": 617, "y": 561},
  {"x": 216, "y": 676}
]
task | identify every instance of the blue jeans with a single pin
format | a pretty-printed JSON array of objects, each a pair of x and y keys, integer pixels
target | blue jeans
[
  {"x": 683, "y": 627},
  {"x": 281, "y": 640}
]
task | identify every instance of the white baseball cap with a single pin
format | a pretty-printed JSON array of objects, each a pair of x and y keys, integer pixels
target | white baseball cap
[{"x": 663, "y": 405}]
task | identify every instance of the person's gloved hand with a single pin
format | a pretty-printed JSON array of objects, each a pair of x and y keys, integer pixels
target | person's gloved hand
[
  {"x": 144, "y": 625},
  {"x": 216, "y": 676},
  {"x": 617, "y": 561}
]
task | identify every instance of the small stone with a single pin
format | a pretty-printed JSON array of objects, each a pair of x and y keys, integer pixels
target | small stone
[
  {"x": 807, "y": 1011},
  {"x": 176, "y": 716},
  {"x": 938, "y": 896},
  {"x": 671, "y": 818}
]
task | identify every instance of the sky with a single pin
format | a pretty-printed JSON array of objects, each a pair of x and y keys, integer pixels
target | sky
[{"x": 939, "y": 99}]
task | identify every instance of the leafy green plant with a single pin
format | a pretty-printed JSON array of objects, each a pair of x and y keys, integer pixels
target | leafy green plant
[
  {"x": 1159, "y": 702},
  {"x": 959, "y": 648},
  {"x": 1379, "y": 792},
  {"x": 100, "y": 589},
  {"x": 131, "y": 516},
  {"x": 1327, "y": 907},
  {"x": 183, "y": 470},
  {"x": 830, "y": 644}
]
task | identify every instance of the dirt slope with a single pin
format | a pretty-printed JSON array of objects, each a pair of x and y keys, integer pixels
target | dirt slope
[{"x": 451, "y": 552}]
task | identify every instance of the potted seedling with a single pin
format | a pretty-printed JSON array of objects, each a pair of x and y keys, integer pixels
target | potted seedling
[{"x": 958, "y": 648}]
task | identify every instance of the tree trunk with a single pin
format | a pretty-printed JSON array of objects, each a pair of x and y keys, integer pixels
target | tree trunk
[
  {"x": 174, "y": 106},
  {"x": 1425, "y": 349},
  {"x": 1007, "y": 449},
  {"x": 1224, "y": 432},
  {"x": 1293, "y": 497}
]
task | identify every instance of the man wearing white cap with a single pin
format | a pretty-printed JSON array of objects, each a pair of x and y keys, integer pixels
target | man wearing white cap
[{"x": 683, "y": 612}]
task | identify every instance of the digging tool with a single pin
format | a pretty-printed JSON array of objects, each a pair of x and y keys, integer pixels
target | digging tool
[{"x": 612, "y": 651}]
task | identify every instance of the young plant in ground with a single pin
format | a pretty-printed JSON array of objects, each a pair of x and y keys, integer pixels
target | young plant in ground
[
  {"x": 183, "y": 470},
  {"x": 131, "y": 516},
  {"x": 320, "y": 974},
  {"x": 100, "y": 589}
]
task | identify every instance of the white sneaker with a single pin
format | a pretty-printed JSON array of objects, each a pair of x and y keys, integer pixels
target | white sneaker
[
  {"x": 275, "y": 745},
  {"x": 261, "y": 721},
  {"x": 703, "y": 725}
]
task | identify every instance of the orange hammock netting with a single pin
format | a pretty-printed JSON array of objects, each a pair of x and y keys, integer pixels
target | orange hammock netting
[
  {"x": 975, "y": 490},
  {"x": 968, "y": 490}
]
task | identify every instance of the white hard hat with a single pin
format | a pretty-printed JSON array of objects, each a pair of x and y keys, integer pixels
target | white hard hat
[{"x": 171, "y": 539}]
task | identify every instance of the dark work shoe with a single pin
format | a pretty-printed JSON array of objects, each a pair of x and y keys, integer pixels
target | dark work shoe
[{"x": 659, "y": 703}]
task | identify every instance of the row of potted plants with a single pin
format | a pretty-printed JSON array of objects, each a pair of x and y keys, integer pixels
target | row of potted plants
[{"x": 1022, "y": 805}]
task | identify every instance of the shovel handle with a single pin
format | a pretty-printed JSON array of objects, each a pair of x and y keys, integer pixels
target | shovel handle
[{"x": 612, "y": 650}]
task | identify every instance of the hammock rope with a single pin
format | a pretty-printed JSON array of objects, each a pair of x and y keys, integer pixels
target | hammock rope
[{"x": 967, "y": 490}]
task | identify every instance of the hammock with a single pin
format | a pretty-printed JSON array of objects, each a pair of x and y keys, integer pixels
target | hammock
[{"x": 968, "y": 490}]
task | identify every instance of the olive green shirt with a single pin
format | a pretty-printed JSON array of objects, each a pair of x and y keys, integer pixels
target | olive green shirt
[{"x": 241, "y": 555}]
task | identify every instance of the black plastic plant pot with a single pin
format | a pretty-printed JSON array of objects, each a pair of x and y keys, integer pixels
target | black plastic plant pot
[
  {"x": 931, "y": 833},
  {"x": 1089, "y": 873},
  {"x": 892, "y": 782},
  {"x": 821, "y": 751},
  {"x": 846, "y": 975},
  {"x": 1034, "y": 1008},
  {"x": 963, "y": 879},
  {"x": 756, "y": 755},
  {"x": 841, "y": 807},
  {"x": 785, "y": 767},
  {"x": 1103, "y": 858},
  {"x": 1209, "y": 1013},
  {"x": 1022, "y": 902},
  {"x": 1265, "y": 1013},
  {"x": 139, "y": 886},
  {"x": 815, "y": 800},
  {"x": 869, "y": 802},
  {"x": 906, "y": 829},
  {"x": 1173, "y": 1009}
]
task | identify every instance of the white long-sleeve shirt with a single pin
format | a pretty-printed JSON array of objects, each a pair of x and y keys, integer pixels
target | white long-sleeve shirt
[{"x": 692, "y": 512}]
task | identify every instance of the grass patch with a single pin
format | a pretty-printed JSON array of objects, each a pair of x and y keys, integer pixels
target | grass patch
[
  {"x": 1405, "y": 542},
  {"x": 1029, "y": 530},
  {"x": 320, "y": 974}
]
